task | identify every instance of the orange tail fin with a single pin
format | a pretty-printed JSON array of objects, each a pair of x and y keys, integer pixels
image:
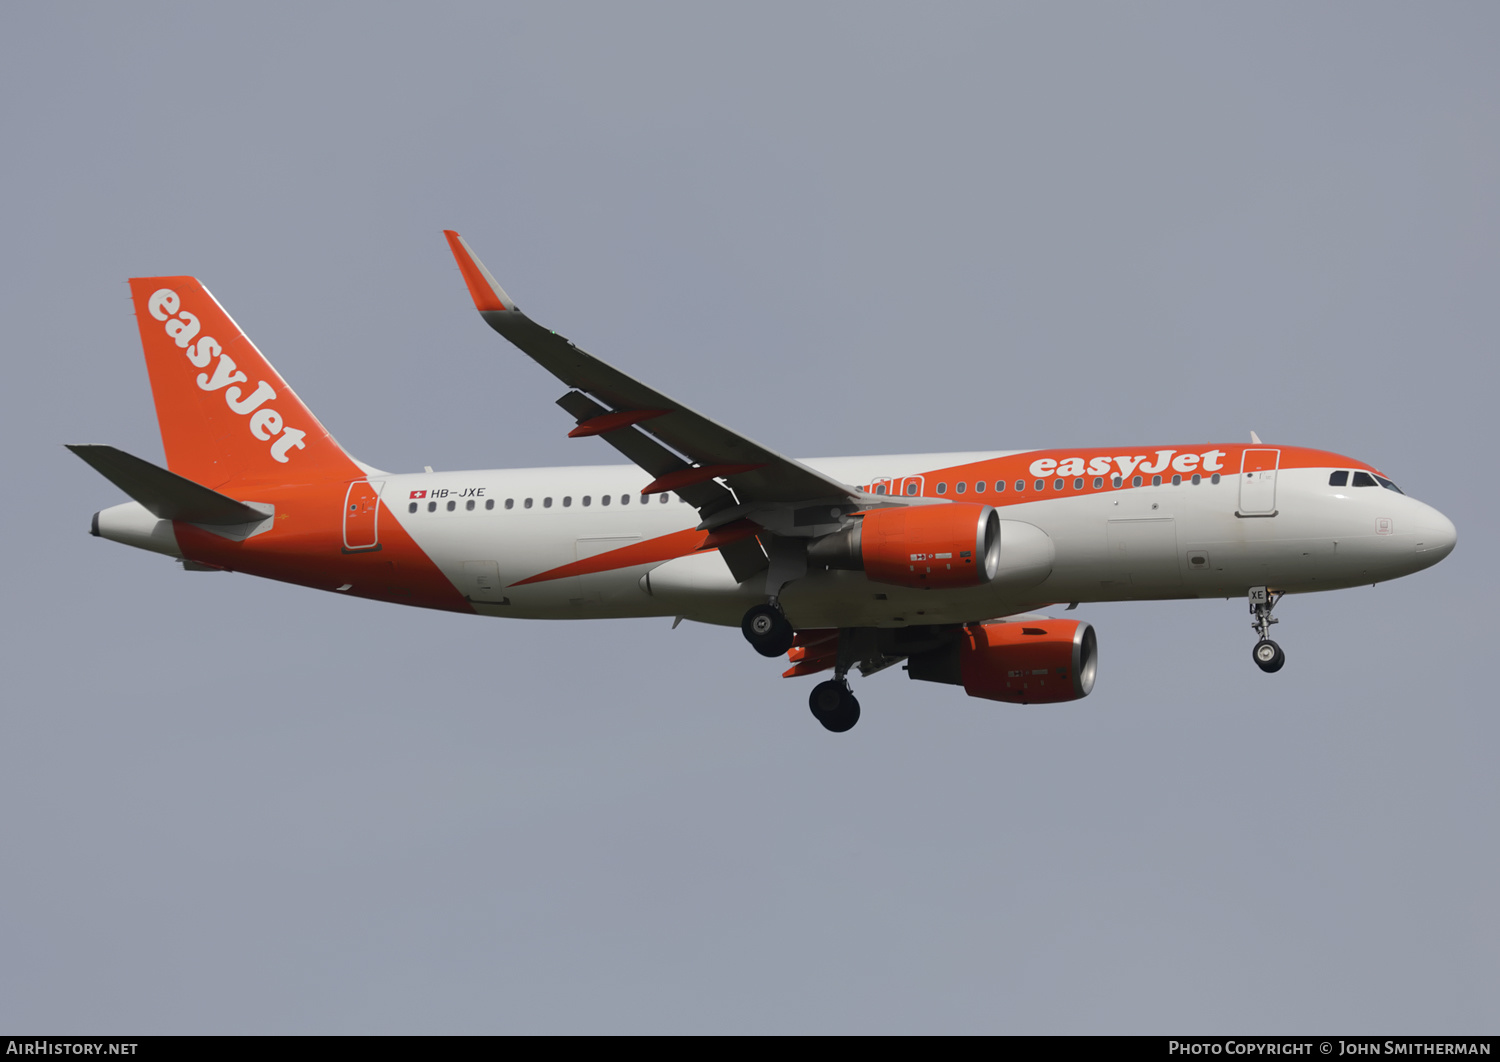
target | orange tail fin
[{"x": 226, "y": 416}]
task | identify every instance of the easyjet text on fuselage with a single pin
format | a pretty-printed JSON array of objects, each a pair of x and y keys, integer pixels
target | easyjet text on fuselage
[{"x": 1124, "y": 465}]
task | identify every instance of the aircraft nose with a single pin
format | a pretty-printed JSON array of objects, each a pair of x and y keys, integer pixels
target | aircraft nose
[{"x": 1437, "y": 536}]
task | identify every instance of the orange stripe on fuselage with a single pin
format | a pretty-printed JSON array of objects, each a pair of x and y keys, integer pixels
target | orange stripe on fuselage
[
  {"x": 652, "y": 551},
  {"x": 306, "y": 547}
]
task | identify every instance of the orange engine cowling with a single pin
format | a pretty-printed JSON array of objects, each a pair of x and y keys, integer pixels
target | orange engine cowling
[
  {"x": 1023, "y": 662},
  {"x": 923, "y": 546}
]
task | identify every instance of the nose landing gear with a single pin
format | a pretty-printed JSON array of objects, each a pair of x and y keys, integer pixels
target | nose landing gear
[{"x": 1267, "y": 654}]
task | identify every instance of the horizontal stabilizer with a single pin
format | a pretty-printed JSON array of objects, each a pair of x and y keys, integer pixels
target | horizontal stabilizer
[{"x": 166, "y": 495}]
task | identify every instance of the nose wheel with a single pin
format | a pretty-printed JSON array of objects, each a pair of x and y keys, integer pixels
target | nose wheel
[
  {"x": 833, "y": 704},
  {"x": 1267, "y": 654}
]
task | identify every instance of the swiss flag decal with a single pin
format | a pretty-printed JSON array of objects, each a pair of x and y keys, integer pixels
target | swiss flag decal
[{"x": 418, "y": 494}]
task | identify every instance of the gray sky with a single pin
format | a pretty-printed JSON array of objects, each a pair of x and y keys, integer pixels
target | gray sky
[{"x": 229, "y": 805}]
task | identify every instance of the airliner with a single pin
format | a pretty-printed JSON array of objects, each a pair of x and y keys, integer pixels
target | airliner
[{"x": 940, "y": 562}]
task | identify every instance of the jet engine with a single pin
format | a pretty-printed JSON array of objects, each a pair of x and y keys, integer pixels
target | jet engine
[
  {"x": 1032, "y": 661},
  {"x": 921, "y": 546}
]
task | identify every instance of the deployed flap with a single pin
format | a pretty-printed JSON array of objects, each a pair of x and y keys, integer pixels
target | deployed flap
[
  {"x": 648, "y": 454},
  {"x": 767, "y": 475},
  {"x": 166, "y": 495}
]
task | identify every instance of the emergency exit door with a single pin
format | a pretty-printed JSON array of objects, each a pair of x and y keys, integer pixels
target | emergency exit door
[{"x": 362, "y": 516}]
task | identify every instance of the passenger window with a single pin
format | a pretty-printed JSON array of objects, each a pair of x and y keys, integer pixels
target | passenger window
[
  {"x": 1057, "y": 484},
  {"x": 911, "y": 490},
  {"x": 510, "y": 503},
  {"x": 942, "y": 488},
  {"x": 1156, "y": 481},
  {"x": 432, "y": 507},
  {"x": 1176, "y": 481},
  {"x": 664, "y": 499},
  {"x": 979, "y": 486},
  {"x": 999, "y": 485},
  {"x": 1039, "y": 485},
  {"x": 546, "y": 503},
  {"x": 469, "y": 505},
  {"x": 1364, "y": 479},
  {"x": 1078, "y": 483},
  {"x": 1136, "y": 482},
  {"x": 489, "y": 503},
  {"x": 1214, "y": 478},
  {"x": 1117, "y": 482},
  {"x": 528, "y": 503},
  {"x": 1388, "y": 485},
  {"x": 1098, "y": 482},
  {"x": 880, "y": 489},
  {"x": 624, "y": 499},
  {"x": 960, "y": 488},
  {"x": 412, "y": 507},
  {"x": 1339, "y": 479},
  {"x": 604, "y": 499},
  {"x": 1197, "y": 479},
  {"x": 567, "y": 500},
  {"x": 452, "y": 505},
  {"x": 587, "y": 499}
]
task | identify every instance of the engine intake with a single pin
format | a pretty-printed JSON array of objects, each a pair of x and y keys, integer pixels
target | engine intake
[{"x": 922, "y": 546}]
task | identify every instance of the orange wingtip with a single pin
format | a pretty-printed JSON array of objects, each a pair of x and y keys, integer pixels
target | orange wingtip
[{"x": 487, "y": 295}]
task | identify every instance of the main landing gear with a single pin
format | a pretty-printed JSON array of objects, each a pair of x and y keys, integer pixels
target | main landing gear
[
  {"x": 833, "y": 704},
  {"x": 767, "y": 630},
  {"x": 1267, "y": 654}
]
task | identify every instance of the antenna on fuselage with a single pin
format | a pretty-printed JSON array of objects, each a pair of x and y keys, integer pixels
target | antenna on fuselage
[{"x": 1256, "y": 439}]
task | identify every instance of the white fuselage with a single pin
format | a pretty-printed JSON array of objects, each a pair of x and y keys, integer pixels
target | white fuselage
[{"x": 1130, "y": 543}]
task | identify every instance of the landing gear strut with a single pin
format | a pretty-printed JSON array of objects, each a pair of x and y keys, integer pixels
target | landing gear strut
[
  {"x": 1267, "y": 654},
  {"x": 833, "y": 704},
  {"x": 767, "y": 630}
]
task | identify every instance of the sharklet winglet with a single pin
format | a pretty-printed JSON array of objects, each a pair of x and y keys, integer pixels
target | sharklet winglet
[{"x": 488, "y": 296}]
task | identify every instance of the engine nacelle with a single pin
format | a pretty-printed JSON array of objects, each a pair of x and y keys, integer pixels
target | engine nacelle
[
  {"x": 1022, "y": 661},
  {"x": 921, "y": 546}
]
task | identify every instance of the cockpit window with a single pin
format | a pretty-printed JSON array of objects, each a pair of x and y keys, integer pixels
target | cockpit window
[
  {"x": 1388, "y": 485},
  {"x": 1364, "y": 479},
  {"x": 1339, "y": 479}
]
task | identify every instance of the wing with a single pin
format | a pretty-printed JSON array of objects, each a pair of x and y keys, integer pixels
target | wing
[{"x": 684, "y": 450}]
